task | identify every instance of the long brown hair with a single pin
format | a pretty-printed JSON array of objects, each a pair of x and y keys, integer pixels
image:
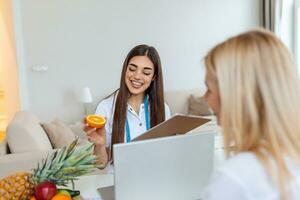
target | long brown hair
[{"x": 155, "y": 93}]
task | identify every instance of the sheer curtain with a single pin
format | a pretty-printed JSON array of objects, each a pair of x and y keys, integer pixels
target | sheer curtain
[{"x": 271, "y": 15}]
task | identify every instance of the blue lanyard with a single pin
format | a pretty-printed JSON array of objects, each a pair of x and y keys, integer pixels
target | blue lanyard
[{"x": 147, "y": 118}]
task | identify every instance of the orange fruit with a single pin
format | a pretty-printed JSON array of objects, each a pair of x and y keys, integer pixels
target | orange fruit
[
  {"x": 33, "y": 198},
  {"x": 95, "y": 121},
  {"x": 60, "y": 196},
  {"x": 62, "y": 191}
]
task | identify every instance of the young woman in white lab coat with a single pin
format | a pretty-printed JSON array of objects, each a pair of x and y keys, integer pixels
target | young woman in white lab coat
[{"x": 135, "y": 107}]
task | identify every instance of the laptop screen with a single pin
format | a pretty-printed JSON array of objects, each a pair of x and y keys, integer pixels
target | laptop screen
[{"x": 175, "y": 167}]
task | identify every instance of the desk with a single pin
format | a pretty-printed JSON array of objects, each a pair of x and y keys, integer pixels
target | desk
[{"x": 88, "y": 184}]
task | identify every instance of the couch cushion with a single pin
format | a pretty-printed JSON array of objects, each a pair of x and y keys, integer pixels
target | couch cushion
[
  {"x": 59, "y": 134},
  {"x": 77, "y": 129},
  {"x": 12, "y": 163},
  {"x": 24, "y": 134},
  {"x": 198, "y": 106}
]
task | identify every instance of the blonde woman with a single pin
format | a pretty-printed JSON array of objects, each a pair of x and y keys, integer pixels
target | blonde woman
[{"x": 254, "y": 90}]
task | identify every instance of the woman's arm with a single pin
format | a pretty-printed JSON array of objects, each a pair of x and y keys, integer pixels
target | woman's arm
[
  {"x": 102, "y": 155},
  {"x": 102, "y": 137},
  {"x": 98, "y": 137}
]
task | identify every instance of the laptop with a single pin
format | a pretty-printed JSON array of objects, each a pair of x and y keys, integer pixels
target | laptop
[{"x": 175, "y": 167}]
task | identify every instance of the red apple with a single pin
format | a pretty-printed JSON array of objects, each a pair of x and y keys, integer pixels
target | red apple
[{"x": 45, "y": 190}]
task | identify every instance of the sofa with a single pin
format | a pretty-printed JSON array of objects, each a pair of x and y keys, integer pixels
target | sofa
[{"x": 27, "y": 129}]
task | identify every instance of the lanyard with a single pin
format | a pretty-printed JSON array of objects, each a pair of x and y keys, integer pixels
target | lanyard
[{"x": 147, "y": 118}]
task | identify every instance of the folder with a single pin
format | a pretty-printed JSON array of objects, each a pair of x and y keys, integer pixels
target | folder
[{"x": 177, "y": 124}]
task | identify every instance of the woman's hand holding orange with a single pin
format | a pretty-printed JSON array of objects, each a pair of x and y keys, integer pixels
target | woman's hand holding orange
[{"x": 95, "y": 129}]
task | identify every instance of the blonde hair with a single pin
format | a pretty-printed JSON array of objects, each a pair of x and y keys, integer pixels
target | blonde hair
[{"x": 259, "y": 94}]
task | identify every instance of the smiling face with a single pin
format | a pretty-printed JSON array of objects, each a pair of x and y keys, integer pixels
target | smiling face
[{"x": 139, "y": 74}]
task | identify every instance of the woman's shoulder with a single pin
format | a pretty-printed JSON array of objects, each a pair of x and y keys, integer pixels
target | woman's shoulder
[
  {"x": 106, "y": 104},
  {"x": 107, "y": 100},
  {"x": 240, "y": 163},
  {"x": 246, "y": 169},
  {"x": 241, "y": 177},
  {"x": 110, "y": 99},
  {"x": 241, "y": 157}
]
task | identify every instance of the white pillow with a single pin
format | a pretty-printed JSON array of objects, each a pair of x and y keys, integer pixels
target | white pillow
[
  {"x": 59, "y": 134},
  {"x": 25, "y": 134}
]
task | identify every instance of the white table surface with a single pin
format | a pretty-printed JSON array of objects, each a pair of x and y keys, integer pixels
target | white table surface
[{"x": 88, "y": 184}]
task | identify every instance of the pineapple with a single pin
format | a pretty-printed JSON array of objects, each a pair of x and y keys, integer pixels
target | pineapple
[
  {"x": 60, "y": 168},
  {"x": 15, "y": 186}
]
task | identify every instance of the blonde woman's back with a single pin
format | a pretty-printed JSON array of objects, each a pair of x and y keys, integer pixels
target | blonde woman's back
[
  {"x": 244, "y": 177},
  {"x": 254, "y": 89}
]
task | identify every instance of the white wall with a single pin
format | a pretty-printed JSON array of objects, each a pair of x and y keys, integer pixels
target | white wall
[
  {"x": 287, "y": 24},
  {"x": 85, "y": 42}
]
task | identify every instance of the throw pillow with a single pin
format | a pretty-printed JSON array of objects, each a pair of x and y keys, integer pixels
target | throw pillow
[
  {"x": 59, "y": 134},
  {"x": 198, "y": 106},
  {"x": 25, "y": 134}
]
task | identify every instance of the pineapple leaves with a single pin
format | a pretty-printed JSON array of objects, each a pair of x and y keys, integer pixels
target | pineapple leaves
[{"x": 64, "y": 165}]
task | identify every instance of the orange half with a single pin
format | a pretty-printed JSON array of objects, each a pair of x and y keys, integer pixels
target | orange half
[{"x": 95, "y": 121}]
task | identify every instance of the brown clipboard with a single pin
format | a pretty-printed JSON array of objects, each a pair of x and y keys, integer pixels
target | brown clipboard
[{"x": 178, "y": 124}]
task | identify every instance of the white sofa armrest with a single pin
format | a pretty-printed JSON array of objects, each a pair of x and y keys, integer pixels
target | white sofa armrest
[{"x": 12, "y": 163}]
